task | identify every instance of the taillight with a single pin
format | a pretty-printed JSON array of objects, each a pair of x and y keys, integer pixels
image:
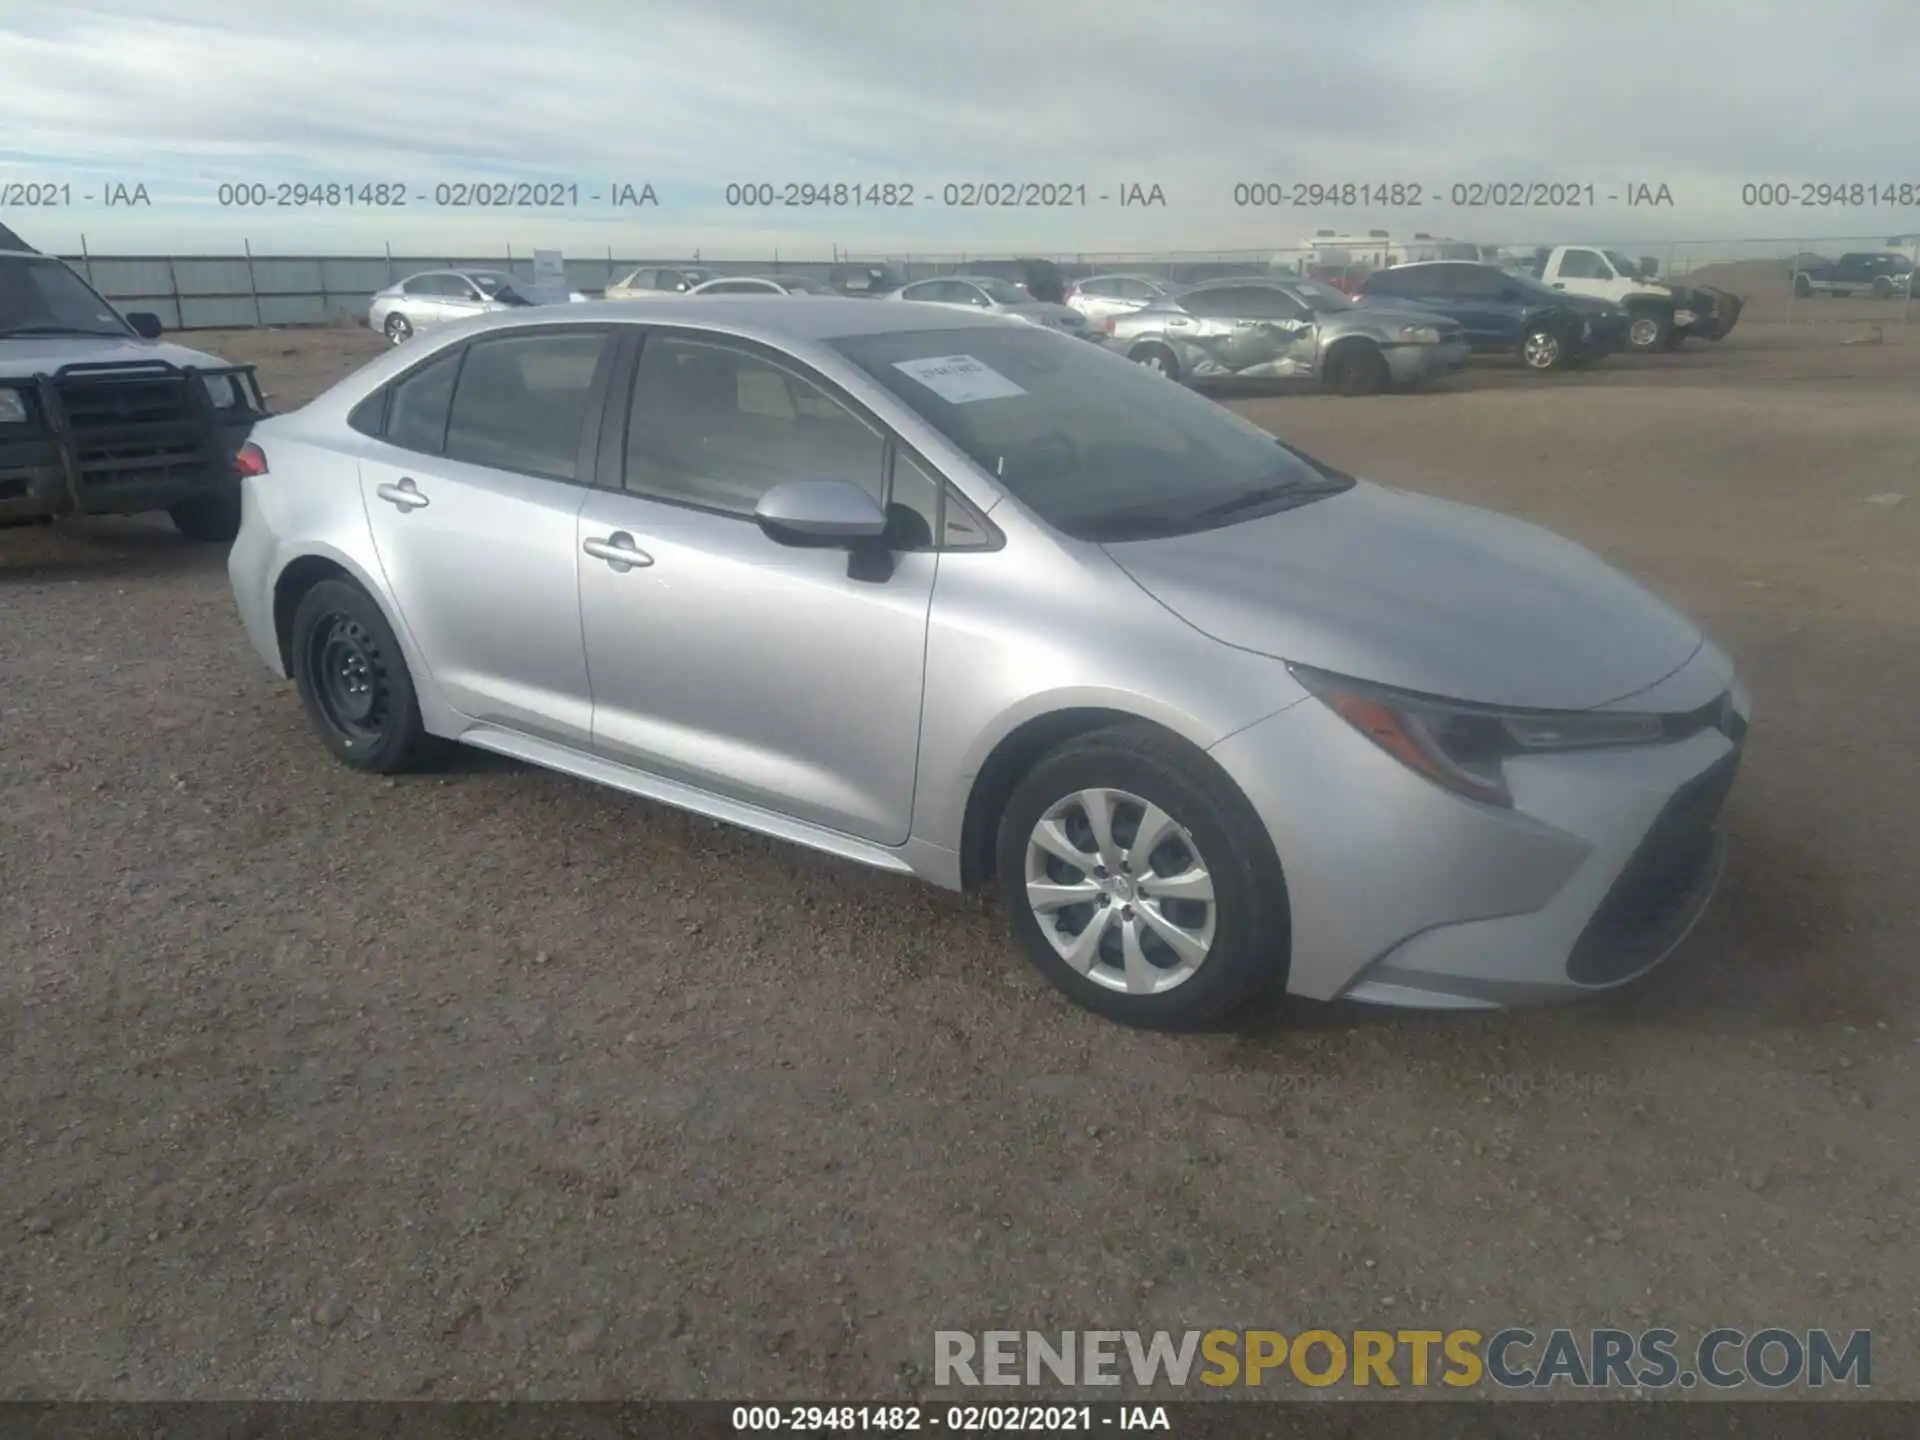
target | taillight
[{"x": 250, "y": 459}]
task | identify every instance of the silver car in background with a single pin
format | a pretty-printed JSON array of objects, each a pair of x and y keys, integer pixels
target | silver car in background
[
  {"x": 437, "y": 297},
  {"x": 653, "y": 281},
  {"x": 1261, "y": 328},
  {"x": 1099, "y": 296},
  {"x": 989, "y": 295},
  {"x": 965, "y": 599},
  {"x": 761, "y": 285}
]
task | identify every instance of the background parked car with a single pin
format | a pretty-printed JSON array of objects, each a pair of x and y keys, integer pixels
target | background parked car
[
  {"x": 1257, "y": 328},
  {"x": 1041, "y": 279},
  {"x": 1661, "y": 316},
  {"x": 652, "y": 281},
  {"x": 1099, "y": 296},
  {"x": 1879, "y": 273},
  {"x": 865, "y": 281},
  {"x": 761, "y": 285},
  {"x": 995, "y": 296},
  {"x": 435, "y": 297},
  {"x": 1505, "y": 314}
]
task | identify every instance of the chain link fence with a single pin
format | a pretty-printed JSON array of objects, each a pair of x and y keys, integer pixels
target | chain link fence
[{"x": 1850, "y": 278}]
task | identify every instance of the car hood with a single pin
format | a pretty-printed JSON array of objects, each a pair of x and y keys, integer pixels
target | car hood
[
  {"x": 1422, "y": 594},
  {"x": 31, "y": 354}
]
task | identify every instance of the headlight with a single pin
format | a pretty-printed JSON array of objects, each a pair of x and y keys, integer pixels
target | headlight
[
  {"x": 1586, "y": 329},
  {"x": 1464, "y": 747},
  {"x": 1419, "y": 335},
  {"x": 13, "y": 407},
  {"x": 1684, "y": 317},
  {"x": 221, "y": 390}
]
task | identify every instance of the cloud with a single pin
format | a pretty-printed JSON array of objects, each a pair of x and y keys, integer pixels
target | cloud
[{"x": 691, "y": 95}]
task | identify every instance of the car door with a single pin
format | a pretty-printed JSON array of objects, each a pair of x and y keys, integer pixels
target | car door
[
  {"x": 781, "y": 677},
  {"x": 422, "y": 303},
  {"x": 1585, "y": 272},
  {"x": 1475, "y": 298},
  {"x": 1244, "y": 327},
  {"x": 471, "y": 494}
]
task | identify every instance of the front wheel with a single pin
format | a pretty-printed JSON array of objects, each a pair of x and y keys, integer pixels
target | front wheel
[
  {"x": 212, "y": 519},
  {"x": 1649, "y": 332},
  {"x": 354, "y": 681},
  {"x": 1140, "y": 882},
  {"x": 1358, "y": 369},
  {"x": 1545, "y": 350}
]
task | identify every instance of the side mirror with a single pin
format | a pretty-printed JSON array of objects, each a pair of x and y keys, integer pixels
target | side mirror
[
  {"x": 820, "y": 514},
  {"x": 145, "y": 324}
]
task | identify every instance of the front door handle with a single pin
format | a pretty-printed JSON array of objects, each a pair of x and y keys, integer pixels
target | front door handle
[
  {"x": 406, "y": 494},
  {"x": 618, "y": 550}
]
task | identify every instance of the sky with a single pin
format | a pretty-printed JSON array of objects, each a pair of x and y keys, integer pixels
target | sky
[{"x": 99, "y": 98}]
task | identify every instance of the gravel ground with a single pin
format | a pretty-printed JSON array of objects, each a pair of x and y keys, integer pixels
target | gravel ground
[{"x": 488, "y": 1082}]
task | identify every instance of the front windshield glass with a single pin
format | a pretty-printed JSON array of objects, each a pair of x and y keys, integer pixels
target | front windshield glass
[
  {"x": 41, "y": 295},
  {"x": 1096, "y": 446},
  {"x": 1003, "y": 292}
]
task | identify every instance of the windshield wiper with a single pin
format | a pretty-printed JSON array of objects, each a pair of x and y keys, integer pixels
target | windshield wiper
[{"x": 15, "y": 330}]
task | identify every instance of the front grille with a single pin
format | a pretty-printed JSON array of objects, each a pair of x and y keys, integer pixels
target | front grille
[
  {"x": 1661, "y": 888},
  {"x": 140, "y": 431}
]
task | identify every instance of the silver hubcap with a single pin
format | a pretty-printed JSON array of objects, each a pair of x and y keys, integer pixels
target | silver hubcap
[
  {"x": 398, "y": 329},
  {"x": 1121, "y": 891},
  {"x": 1643, "y": 332},
  {"x": 1158, "y": 360},
  {"x": 1542, "y": 351}
]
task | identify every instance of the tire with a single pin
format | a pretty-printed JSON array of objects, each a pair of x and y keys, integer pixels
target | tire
[
  {"x": 1648, "y": 332},
  {"x": 1358, "y": 368},
  {"x": 1883, "y": 288},
  {"x": 1161, "y": 358},
  {"x": 398, "y": 328},
  {"x": 1242, "y": 933},
  {"x": 1802, "y": 286},
  {"x": 1546, "y": 350},
  {"x": 212, "y": 519},
  {"x": 354, "y": 682}
]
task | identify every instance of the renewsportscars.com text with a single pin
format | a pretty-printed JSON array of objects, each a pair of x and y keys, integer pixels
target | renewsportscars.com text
[{"x": 1513, "y": 1358}]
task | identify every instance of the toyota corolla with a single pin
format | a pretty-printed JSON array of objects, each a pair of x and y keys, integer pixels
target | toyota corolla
[{"x": 981, "y": 603}]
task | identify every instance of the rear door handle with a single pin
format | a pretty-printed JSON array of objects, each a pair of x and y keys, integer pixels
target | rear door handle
[
  {"x": 406, "y": 494},
  {"x": 618, "y": 550}
]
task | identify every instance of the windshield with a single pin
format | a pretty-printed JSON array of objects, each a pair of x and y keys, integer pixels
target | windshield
[
  {"x": 1319, "y": 296},
  {"x": 42, "y": 296},
  {"x": 1096, "y": 446},
  {"x": 1621, "y": 264},
  {"x": 1003, "y": 292}
]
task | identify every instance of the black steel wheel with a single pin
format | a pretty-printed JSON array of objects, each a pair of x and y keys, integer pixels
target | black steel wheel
[{"x": 353, "y": 680}]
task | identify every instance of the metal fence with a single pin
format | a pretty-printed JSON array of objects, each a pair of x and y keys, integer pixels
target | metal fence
[{"x": 195, "y": 292}]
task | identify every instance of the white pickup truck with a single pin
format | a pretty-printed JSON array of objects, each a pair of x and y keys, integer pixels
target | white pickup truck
[{"x": 1663, "y": 316}]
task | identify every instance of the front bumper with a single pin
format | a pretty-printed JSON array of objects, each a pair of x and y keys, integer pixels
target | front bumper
[
  {"x": 1411, "y": 364},
  {"x": 1402, "y": 893},
  {"x": 117, "y": 439}
]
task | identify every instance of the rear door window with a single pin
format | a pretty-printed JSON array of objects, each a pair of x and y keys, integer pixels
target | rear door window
[{"x": 521, "y": 401}]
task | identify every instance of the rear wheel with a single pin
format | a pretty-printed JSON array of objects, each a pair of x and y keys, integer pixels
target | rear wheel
[
  {"x": 354, "y": 680},
  {"x": 212, "y": 519},
  {"x": 399, "y": 329},
  {"x": 1802, "y": 286},
  {"x": 1357, "y": 368},
  {"x": 1140, "y": 882},
  {"x": 1157, "y": 357}
]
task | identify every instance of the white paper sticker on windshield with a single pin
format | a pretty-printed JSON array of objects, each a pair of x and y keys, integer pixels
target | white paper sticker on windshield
[{"x": 959, "y": 379}]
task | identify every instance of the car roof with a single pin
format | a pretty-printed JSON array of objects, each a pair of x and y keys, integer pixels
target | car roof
[{"x": 767, "y": 317}]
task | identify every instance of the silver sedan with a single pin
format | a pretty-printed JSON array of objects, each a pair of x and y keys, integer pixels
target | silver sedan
[
  {"x": 761, "y": 285},
  {"x": 992, "y": 296},
  {"x": 1099, "y": 296},
  {"x": 1256, "y": 328},
  {"x": 963, "y": 599},
  {"x": 436, "y": 297}
]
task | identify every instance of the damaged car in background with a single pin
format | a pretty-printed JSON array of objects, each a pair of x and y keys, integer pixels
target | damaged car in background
[
  {"x": 98, "y": 416},
  {"x": 1260, "y": 328}
]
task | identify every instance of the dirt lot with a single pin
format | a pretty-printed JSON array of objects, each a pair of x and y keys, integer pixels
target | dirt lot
[{"x": 487, "y": 1082}]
